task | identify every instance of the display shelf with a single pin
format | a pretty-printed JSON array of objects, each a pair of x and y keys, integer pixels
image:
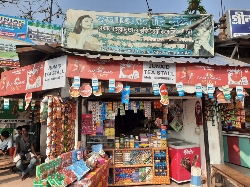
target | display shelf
[
  {"x": 138, "y": 170},
  {"x": 131, "y": 184},
  {"x": 129, "y": 149},
  {"x": 132, "y": 166}
]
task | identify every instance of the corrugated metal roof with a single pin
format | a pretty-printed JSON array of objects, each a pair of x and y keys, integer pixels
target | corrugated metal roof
[{"x": 218, "y": 59}]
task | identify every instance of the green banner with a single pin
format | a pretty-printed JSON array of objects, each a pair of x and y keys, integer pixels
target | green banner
[{"x": 10, "y": 113}]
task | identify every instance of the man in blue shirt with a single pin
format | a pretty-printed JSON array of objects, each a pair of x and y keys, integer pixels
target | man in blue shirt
[{"x": 5, "y": 142}]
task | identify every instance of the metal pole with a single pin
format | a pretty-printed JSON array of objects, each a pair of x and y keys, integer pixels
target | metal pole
[
  {"x": 206, "y": 142},
  {"x": 50, "y": 12}
]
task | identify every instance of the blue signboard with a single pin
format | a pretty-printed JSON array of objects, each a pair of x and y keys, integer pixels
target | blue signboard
[
  {"x": 238, "y": 23},
  {"x": 18, "y": 31}
]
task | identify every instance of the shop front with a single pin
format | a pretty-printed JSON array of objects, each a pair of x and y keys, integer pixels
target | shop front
[
  {"x": 137, "y": 109},
  {"x": 131, "y": 118}
]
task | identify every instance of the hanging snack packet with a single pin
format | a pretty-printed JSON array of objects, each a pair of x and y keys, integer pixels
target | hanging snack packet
[{"x": 125, "y": 94}]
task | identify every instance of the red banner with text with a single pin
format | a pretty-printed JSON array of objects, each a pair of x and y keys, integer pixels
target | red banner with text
[
  {"x": 135, "y": 71},
  {"x": 36, "y": 77},
  {"x": 191, "y": 74},
  {"x": 104, "y": 69},
  {"x": 22, "y": 80}
]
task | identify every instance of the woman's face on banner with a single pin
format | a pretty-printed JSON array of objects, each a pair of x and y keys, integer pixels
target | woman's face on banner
[{"x": 87, "y": 23}]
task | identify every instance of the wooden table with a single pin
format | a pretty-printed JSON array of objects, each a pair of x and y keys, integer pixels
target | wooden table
[{"x": 235, "y": 177}]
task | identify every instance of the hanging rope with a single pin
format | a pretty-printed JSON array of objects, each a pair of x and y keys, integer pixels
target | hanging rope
[{"x": 149, "y": 9}]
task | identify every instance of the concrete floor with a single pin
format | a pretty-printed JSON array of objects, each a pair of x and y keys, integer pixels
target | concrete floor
[{"x": 14, "y": 180}]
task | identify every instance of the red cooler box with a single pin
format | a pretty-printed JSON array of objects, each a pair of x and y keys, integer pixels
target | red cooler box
[{"x": 182, "y": 156}]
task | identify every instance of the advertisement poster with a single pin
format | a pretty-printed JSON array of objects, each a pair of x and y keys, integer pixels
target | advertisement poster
[
  {"x": 140, "y": 34},
  {"x": 159, "y": 73},
  {"x": 124, "y": 70},
  {"x": 104, "y": 69},
  {"x": 238, "y": 23},
  {"x": 55, "y": 73},
  {"x": 18, "y": 31},
  {"x": 22, "y": 80},
  {"x": 35, "y": 77},
  {"x": 191, "y": 74}
]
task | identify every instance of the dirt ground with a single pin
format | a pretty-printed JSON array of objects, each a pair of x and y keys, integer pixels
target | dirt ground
[{"x": 14, "y": 180}]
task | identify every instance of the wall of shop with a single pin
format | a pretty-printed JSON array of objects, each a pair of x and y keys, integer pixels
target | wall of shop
[
  {"x": 188, "y": 131},
  {"x": 188, "y": 134},
  {"x": 215, "y": 143}
]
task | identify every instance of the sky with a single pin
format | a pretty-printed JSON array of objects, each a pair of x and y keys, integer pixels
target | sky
[{"x": 131, "y": 6}]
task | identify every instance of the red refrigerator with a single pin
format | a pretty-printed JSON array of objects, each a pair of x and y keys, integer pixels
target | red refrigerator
[{"x": 182, "y": 156}]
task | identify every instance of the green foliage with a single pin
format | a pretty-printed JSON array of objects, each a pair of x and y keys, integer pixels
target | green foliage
[{"x": 195, "y": 6}]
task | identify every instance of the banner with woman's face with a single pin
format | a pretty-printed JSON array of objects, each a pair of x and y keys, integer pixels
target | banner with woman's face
[{"x": 140, "y": 34}]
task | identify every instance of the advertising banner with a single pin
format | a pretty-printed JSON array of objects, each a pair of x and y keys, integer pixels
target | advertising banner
[
  {"x": 34, "y": 77},
  {"x": 18, "y": 31},
  {"x": 168, "y": 73},
  {"x": 140, "y": 34},
  {"x": 238, "y": 22},
  {"x": 130, "y": 71},
  {"x": 192, "y": 74}
]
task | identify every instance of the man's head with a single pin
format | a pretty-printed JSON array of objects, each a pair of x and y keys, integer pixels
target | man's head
[
  {"x": 25, "y": 130},
  {"x": 19, "y": 130},
  {"x": 4, "y": 135}
]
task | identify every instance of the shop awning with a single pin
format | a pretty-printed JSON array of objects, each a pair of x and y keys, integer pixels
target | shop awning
[{"x": 218, "y": 59}]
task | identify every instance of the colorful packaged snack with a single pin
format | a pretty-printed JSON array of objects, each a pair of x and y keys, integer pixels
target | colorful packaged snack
[
  {"x": 40, "y": 183},
  {"x": 77, "y": 171},
  {"x": 66, "y": 159},
  {"x": 69, "y": 176}
]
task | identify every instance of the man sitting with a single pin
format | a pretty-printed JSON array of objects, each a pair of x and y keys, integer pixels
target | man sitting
[
  {"x": 5, "y": 142},
  {"x": 19, "y": 132},
  {"x": 24, "y": 150}
]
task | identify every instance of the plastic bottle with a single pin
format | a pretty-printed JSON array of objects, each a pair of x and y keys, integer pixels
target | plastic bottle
[
  {"x": 122, "y": 143},
  {"x": 137, "y": 144},
  {"x": 117, "y": 143},
  {"x": 131, "y": 142},
  {"x": 126, "y": 142}
]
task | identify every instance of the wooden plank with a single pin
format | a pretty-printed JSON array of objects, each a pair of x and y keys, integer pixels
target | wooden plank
[
  {"x": 232, "y": 174},
  {"x": 7, "y": 166},
  {"x": 5, "y": 157}
]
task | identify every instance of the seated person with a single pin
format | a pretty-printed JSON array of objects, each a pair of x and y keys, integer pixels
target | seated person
[
  {"x": 24, "y": 150},
  {"x": 5, "y": 142},
  {"x": 19, "y": 132}
]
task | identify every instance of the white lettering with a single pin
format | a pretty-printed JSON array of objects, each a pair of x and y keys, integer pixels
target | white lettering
[{"x": 188, "y": 152}]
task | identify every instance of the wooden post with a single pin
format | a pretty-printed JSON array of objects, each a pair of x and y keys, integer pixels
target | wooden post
[
  {"x": 206, "y": 142},
  {"x": 79, "y": 118}
]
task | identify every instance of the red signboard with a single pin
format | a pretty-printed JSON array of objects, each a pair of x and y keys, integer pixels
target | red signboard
[
  {"x": 22, "y": 80},
  {"x": 191, "y": 74},
  {"x": 105, "y": 69},
  {"x": 188, "y": 74}
]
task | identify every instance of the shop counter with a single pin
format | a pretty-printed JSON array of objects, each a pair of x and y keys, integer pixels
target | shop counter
[{"x": 237, "y": 149}]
